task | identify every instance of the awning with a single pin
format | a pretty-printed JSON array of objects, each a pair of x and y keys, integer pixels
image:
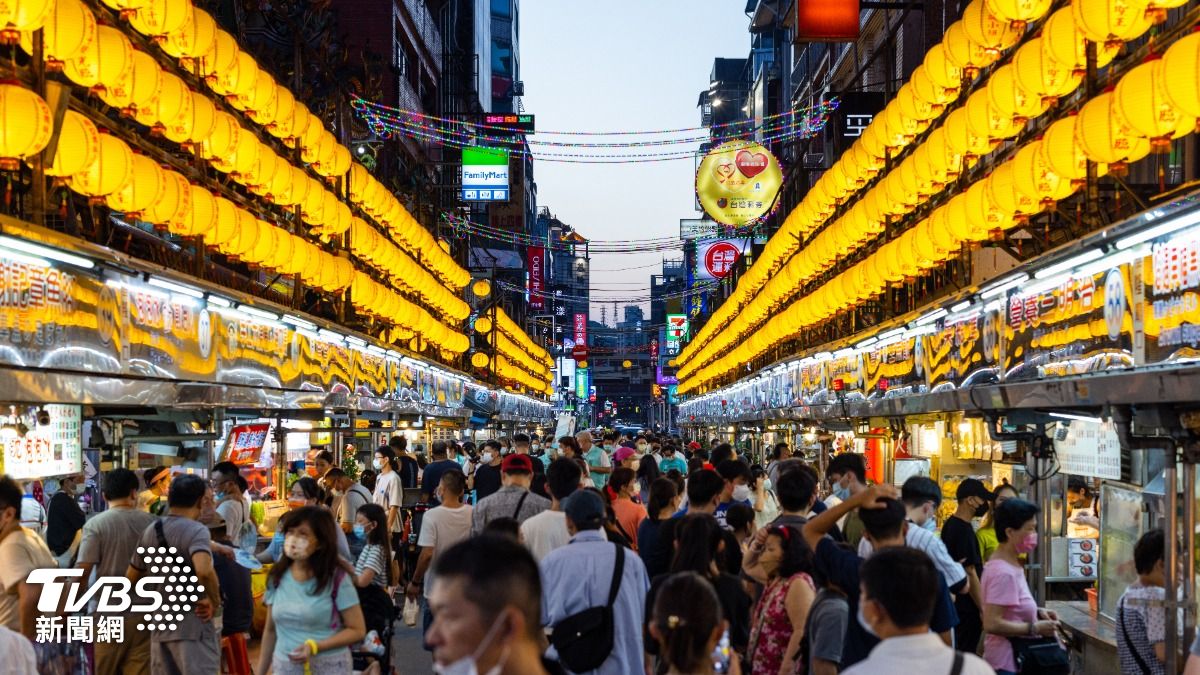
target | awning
[{"x": 488, "y": 258}]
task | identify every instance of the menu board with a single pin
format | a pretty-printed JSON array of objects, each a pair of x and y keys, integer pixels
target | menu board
[
  {"x": 41, "y": 441},
  {"x": 244, "y": 444},
  {"x": 1170, "y": 302},
  {"x": 1090, "y": 449},
  {"x": 1081, "y": 325}
]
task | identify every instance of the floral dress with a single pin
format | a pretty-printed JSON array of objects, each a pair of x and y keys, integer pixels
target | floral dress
[{"x": 772, "y": 628}]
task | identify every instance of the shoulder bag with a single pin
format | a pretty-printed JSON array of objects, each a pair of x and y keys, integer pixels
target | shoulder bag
[
  {"x": 585, "y": 639},
  {"x": 1141, "y": 663},
  {"x": 1040, "y": 656}
]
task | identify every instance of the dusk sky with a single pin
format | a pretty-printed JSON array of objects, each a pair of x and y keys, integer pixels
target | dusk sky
[{"x": 579, "y": 78}]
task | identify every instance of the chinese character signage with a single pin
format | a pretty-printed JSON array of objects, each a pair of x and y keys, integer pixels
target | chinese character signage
[
  {"x": 1170, "y": 310},
  {"x": 676, "y": 333},
  {"x": 855, "y": 111},
  {"x": 964, "y": 349},
  {"x": 501, "y": 124},
  {"x": 738, "y": 182},
  {"x": 537, "y": 277},
  {"x": 715, "y": 259},
  {"x": 581, "y": 329},
  {"x": 581, "y": 383},
  {"x": 697, "y": 228},
  {"x": 48, "y": 447},
  {"x": 245, "y": 443},
  {"x": 484, "y": 175},
  {"x": 1080, "y": 325}
]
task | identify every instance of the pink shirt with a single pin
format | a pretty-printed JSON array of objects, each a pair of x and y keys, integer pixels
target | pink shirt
[{"x": 1004, "y": 584}]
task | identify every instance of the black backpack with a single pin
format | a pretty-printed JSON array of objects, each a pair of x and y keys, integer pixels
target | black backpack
[{"x": 585, "y": 639}]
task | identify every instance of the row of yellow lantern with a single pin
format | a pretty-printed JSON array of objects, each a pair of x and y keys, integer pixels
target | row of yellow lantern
[
  {"x": 133, "y": 81},
  {"x": 1152, "y": 103},
  {"x": 509, "y": 350},
  {"x": 101, "y": 57},
  {"x": 379, "y": 252},
  {"x": 506, "y": 324},
  {"x": 1014, "y": 93},
  {"x": 138, "y": 186},
  {"x": 505, "y": 369}
]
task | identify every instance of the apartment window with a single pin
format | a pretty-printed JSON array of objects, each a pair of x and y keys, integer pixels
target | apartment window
[
  {"x": 502, "y": 8},
  {"x": 502, "y": 57}
]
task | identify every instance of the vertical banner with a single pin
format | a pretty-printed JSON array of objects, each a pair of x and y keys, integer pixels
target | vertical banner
[
  {"x": 581, "y": 329},
  {"x": 537, "y": 277}
]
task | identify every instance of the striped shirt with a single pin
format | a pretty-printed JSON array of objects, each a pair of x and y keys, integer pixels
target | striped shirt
[{"x": 372, "y": 558}]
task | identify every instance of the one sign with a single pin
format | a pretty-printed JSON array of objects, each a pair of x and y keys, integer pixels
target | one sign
[
  {"x": 1090, "y": 449},
  {"x": 579, "y": 353},
  {"x": 715, "y": 259},
  {"x": 580, "y": 328},
  {"x": 244, "y": 444},
  {"x": 484, "y": 175},
  {"x": 581, "y": 383},
  {"x": 38, "y": 449},
  {"x": 537, "y": 277},
  {"x": 697, "y": 228},
  {"x": 677, "y": 326},
  {"x": 826, "y": 21},
  {"x": 855, "y": 111},
  {"x": 1170, "y": 299},
  {"x": 738, "y": 182},
  {"x": 501, "y": 123}
]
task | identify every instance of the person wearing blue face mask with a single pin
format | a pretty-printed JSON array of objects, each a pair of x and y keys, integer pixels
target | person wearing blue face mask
[{"x": 373, "y": 567}]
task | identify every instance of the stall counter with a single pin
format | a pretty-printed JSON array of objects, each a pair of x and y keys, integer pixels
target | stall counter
[{"x": 1094, "y": 643}]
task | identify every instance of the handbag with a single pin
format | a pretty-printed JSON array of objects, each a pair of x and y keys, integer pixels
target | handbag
[
  {"x": 1040, "y": 656},
  {"x": 585, "y": 639}
]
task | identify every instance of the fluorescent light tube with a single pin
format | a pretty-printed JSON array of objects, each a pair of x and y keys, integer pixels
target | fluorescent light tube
[
  {"x": 219, "y": 301},
  {"x": 1002, "y": 287},
  {"x": 176, "y": 288},
  {"x": 1068, "y": 264},
  {"x": 45, "y": 252},
  {"x": 931, "y": 317},
  {"x": 298, "y": 322},
  {"x": 260, "y": 313},
  {"x": 1168, "y": 227}
]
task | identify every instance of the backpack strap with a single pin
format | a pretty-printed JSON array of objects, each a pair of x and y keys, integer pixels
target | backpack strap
[
  {"x": 158, "y": 530},
  {"x": 618, "y": 570},
  {"x": 956, "y": 669}
]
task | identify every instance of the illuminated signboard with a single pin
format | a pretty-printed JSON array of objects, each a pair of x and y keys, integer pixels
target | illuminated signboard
[
  {"x": 738, "y": 182},
  {"x": 581, "y": 382},
  {"x": 245, "y": 443},
  {"x": 715, "y": 258},
  {"x": 581, "y": 329},
  {"x": 39, "y": 448},
  {"x": 502, "y": 123},
  {"x": 484, "y": 175}
]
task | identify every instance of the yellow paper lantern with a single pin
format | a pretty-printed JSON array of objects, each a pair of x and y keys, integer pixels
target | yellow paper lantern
[
  {"x": 264, "y": 244},
  {"x": 1141, "y": 100},
  {"x": 78, "y": 143},
  {"x": 25, "y": 125},
  {"x": 1019, "y": 12},
  {"x": 158, "y": 18},
  {"x": 963, "y": 53},
  {"x": 1101, "y": 135},
  {"x": 245, "y": 153},
  {"x": 482, "y": 288},
  {"x": 218, "y": 60},
  {"x": 201, "y": 218},
  {"x": 104, "y": 62},
  {"x": 983, "y": 215},
  {"x": 169, "y": 210},
  {"x": 1063, "y": 43},
  {"x": 1111, "y": 21},
  {"x": 125, "y": 6},
  {"x": 68, "y": 30},
  {"x": 173, "y": 106},
  {"x": 1182, "y": 62},
  {"x": 990, "y": 31},
  {"x": 281, "y": 117},
  {"x": 941, "y": 70},
  {"x": 202, "y": 118},
  {"x": 261, "y": 106},
  {"x": 137, "y": 92},
  {"x": 946, "y": 162},
  {"x": 1062, "y": 153},
  {"x": 985, "y": 121},
  {"x": 23, "y": 15},
  {"x": 265, "y": 168},
  {"x": 246, "y": 234},
  {"x": 111, "y": 169},
  {"x": 1038, "y": 72},
  {"x": 1034, "y": 179},
  {"x": 225, "y": 226},
  {"x": 196, "y": 38},
  {"x": 300, "y": 120},
  {"x": 1010, "y": 99},
  {"x": 1001, "y": 187},
  {"x": 925, "y": 89},
  {"x": 145, "y": 185},
  {"x": 220, "y": 144}
]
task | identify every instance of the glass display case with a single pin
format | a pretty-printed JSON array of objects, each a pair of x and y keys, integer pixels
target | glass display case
[{"x": 1122, "y": 522}]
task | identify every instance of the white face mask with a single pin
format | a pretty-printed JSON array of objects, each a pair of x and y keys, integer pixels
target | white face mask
[
  {"x": 486, "y": 458},
  {"x": 467, "y": 665},
  {"x": 378, "y": 464},
  {"x": 296, "y": 547},
  {"x": 742, "y": 493},
  {"x": 862, "y": 621}
]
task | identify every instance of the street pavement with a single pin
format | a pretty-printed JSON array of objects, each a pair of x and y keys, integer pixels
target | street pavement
[{"x": 408, "y": 656}]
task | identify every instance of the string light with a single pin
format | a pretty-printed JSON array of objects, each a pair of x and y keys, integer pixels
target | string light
[{"x": 464, "y": 228}]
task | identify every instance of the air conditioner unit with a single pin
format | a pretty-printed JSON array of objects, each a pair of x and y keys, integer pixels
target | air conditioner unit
[{"x": 813, "y": 160}]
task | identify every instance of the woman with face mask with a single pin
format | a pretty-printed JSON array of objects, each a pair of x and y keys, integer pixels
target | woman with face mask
[
  {"x": 304, "y": 493},
  {"x": 373, "y": 568},
  {"x": 1009, "y": 610},
  {"x": 629, "y": 516},
  {"x": 313, "y": 612},
  {"x": 784, "y": 567},
  {"x": 388, "y": 494}
]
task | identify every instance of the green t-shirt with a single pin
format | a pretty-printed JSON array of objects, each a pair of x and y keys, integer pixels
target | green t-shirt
[
  {"x": 854, "y": 528},
  {"x": 300, "y": 615}
]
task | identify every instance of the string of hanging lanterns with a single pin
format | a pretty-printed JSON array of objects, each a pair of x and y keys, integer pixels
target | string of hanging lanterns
[{"x": 1113, "y": 128}]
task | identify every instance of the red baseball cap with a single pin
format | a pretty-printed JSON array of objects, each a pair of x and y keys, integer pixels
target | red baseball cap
[
  {"x": 694, "y": 445},
  {"x": 516, "y": 462}
]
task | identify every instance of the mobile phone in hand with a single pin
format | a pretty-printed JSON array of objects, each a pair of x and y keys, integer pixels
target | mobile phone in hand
[{"x": 722, "y": 654}]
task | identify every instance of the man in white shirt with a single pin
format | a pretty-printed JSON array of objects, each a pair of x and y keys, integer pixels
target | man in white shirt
[
  {"x": 548, "y": 530},
  {"x": 899, "y": 613},
  {"x": 441, "y": 527},
  {"x": 921, "y": 497}
]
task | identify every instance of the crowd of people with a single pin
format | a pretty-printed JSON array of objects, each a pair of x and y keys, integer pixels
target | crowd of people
[{"x": 584, "y": 554}]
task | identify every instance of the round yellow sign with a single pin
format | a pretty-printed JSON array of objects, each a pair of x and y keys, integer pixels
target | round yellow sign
[{"x": 738, "y": 182}]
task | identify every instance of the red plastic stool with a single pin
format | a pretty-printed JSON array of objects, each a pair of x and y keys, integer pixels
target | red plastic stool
[{"x": 235, "y": 660}]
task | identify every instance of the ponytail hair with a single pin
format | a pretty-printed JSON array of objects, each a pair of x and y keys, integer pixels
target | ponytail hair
[
  {"x": 686, "y": 612},
  {"x": 389, "y": 456}
]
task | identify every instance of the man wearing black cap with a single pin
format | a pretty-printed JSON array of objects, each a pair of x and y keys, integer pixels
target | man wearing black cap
[
  {"x": 959, "y": 537},
  {"x": 513, "y": 499},
  {"x": 579, "y": 576}
]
